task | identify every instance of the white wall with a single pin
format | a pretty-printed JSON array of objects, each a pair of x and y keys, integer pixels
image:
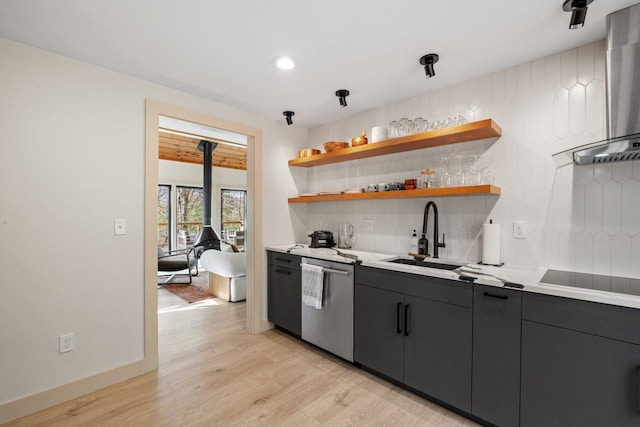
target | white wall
[
  {"x": 189, "y": 174},
  {"x": 585, "y": 218},
  {"x": 71, "y": 160}
]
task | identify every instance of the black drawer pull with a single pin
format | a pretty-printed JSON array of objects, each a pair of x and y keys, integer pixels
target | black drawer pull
[
  {"x": 398, "y": 314},
  {"x": 283, "y": 272},
  {"x": 283, "y": 259},
  {"x": 406, "y": 320},
  {"x": 492, "y": 295}
]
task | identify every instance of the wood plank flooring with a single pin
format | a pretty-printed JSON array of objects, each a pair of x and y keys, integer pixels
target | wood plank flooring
[{"x": 213, "y": 373}]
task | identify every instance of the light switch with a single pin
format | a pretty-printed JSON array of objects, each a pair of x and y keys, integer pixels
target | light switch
[{"x": 119, "y": 226}]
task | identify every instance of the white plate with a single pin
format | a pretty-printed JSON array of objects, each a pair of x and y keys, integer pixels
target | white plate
[
  {"x": 354, "y": 190},
  {"x": 329, "y": 193},
  {"x": 306, "y": 194}
]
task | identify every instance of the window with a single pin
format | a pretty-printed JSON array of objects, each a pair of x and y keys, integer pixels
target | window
[
  {"x": 233, "y": 210},
  {"x": 189, "y": 214},
  {"x": 164, "y": 217}
]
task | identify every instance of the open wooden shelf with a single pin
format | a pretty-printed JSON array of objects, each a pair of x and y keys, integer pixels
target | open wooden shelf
[
  {"x": 474, "y": 131},
  {"x": 471, "y": 190}
]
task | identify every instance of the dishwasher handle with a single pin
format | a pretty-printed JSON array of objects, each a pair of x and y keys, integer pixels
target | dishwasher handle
[{"x": 333, "y": 271}]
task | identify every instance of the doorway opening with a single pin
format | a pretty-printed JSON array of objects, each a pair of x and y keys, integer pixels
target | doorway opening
[{"x": 155, "y": 112}]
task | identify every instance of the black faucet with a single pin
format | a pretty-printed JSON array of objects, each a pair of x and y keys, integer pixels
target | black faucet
[{"x": 436, "y": 245}]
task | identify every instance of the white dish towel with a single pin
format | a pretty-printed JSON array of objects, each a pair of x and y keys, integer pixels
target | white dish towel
[{"x": 312, "y": 285}]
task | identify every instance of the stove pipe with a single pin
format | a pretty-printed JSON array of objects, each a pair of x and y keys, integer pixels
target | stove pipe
[{"x": 208, "y": 238}]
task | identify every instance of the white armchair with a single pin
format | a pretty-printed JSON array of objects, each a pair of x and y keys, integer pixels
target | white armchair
[{"x": 227, "y": 274}]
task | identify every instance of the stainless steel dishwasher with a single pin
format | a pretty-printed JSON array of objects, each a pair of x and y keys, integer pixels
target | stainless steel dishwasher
[{"x": 331, "y": 327}]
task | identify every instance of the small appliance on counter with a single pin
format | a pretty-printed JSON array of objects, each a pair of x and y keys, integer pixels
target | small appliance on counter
[{"x": 322, "y": 239}]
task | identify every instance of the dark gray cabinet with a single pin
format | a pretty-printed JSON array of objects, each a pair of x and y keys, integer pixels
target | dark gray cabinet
[
  {"x": 437, "y": 350},
  {"x": 580, "y": 363},
  {"x": 416, "y": 330},
  {"x": 284, "y": 299},
  {"x": 496, "y": 355},
  {"x": 378, "y": 338}
]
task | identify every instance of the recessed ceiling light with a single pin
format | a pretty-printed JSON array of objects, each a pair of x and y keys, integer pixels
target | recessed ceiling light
[{"x": 284, "y": 63}]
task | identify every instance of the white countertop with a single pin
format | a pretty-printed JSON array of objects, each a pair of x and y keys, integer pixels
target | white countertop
[{"x": 529, "y": 277}]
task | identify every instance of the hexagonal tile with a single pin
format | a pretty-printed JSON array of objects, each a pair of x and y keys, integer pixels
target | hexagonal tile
[
  {"x": 586, "y": 63},
  {"x": 510, "y": 84},
  {"x": 636, "y": 169},
  {"x": 583, "y": 174},
  {"x": 595, "y": 104},
  {"x": 524, "y": 79},
  {"x": 623, "y": 171},
  {"x": 634, "y": 267},
  {"x": 560, "y": 112},
  {"x": 593, "y": 208},
  {"x": 553, "y": 73},
  {"x": 602, "y": 253},
  {"x": 545, "y": 114},
  {"x": 620, "y": 255},
  {"x": 567, "y": 251},
  {"x": 569, "y": 68},
  {"x": 560, "y": 209},
  {"x": 584, "y": 252},
  {"x": 577, "y": 208},
  {"x": 600, "y": 54},
  {"x": 602, "y": 172},
  {"x": 631, "y": 207},
  {"x": 538, "y": 71},
  {"x": 531, "y": 123},
  {"x": 577, "y": 105},
  {"x": 611, "y": 215},
  {"x": 551, "y": 249},
  {"x": 497, "y": 84}
]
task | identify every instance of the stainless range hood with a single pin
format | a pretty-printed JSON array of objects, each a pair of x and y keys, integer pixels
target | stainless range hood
[{"x": 623, "y": 96}]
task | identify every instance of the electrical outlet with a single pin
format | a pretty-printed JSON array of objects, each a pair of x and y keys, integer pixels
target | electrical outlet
[
  {"x": 66, "y": 343},
  {"x": 119, "y": 226},
  {"x": 519, "y": 230},
  {"x": 367, "y": 224}
]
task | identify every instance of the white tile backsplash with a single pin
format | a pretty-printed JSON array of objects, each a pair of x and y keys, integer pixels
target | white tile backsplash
[{"x": 585, "y": 218}]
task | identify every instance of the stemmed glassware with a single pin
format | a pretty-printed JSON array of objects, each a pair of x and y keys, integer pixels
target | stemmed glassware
[
  {"x": 445, "y": 177},
  {"x": 458, "y": 167}
]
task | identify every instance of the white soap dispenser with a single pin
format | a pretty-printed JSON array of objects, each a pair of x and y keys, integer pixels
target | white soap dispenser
[{"x": 413, "y": 243}]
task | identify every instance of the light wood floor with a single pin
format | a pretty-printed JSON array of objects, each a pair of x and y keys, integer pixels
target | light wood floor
[{"x": 213, "y": 373}]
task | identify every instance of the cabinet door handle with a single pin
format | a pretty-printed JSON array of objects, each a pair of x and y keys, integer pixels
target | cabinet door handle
[
  {"x": 406, "y": 320},
  {"x": 492, "y": 295},
  {"x": 283, "y": 259},
  {"x": 283, "y": 272},
  {"x": 398, "y": 314}
]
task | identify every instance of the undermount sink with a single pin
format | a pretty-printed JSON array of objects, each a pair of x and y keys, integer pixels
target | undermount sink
[{"x": 438, "y": 265}]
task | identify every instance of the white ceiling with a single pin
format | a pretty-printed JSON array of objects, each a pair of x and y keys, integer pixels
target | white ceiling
[{"x": 222, "y": 50}]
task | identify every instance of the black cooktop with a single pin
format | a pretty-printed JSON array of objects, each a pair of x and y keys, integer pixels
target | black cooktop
[{"x": 621, "y": 285}]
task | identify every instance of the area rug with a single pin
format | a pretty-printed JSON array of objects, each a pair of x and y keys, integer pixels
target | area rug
[{"x": 189, "y": 293}]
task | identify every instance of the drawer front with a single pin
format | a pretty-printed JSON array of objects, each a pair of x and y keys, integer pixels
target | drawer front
[
  {"x": 284, "y": 260},
  {"x": 620, "y": 323},
  {"x": 443, "y": 290}
]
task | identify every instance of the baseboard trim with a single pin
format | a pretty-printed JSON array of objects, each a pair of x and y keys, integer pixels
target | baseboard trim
[{"x": 36, "y": 402}]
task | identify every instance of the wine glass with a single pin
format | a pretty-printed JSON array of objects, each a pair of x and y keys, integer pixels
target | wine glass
[
  {"x": 458, "y": 168},
  {"x": 445, "y": 177}
]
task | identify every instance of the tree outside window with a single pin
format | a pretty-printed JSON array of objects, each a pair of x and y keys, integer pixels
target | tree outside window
[
  {"x": 189, "y": 214},
  {"x": 164, "y": 217},
  {"x": 234, "y": 209}
]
